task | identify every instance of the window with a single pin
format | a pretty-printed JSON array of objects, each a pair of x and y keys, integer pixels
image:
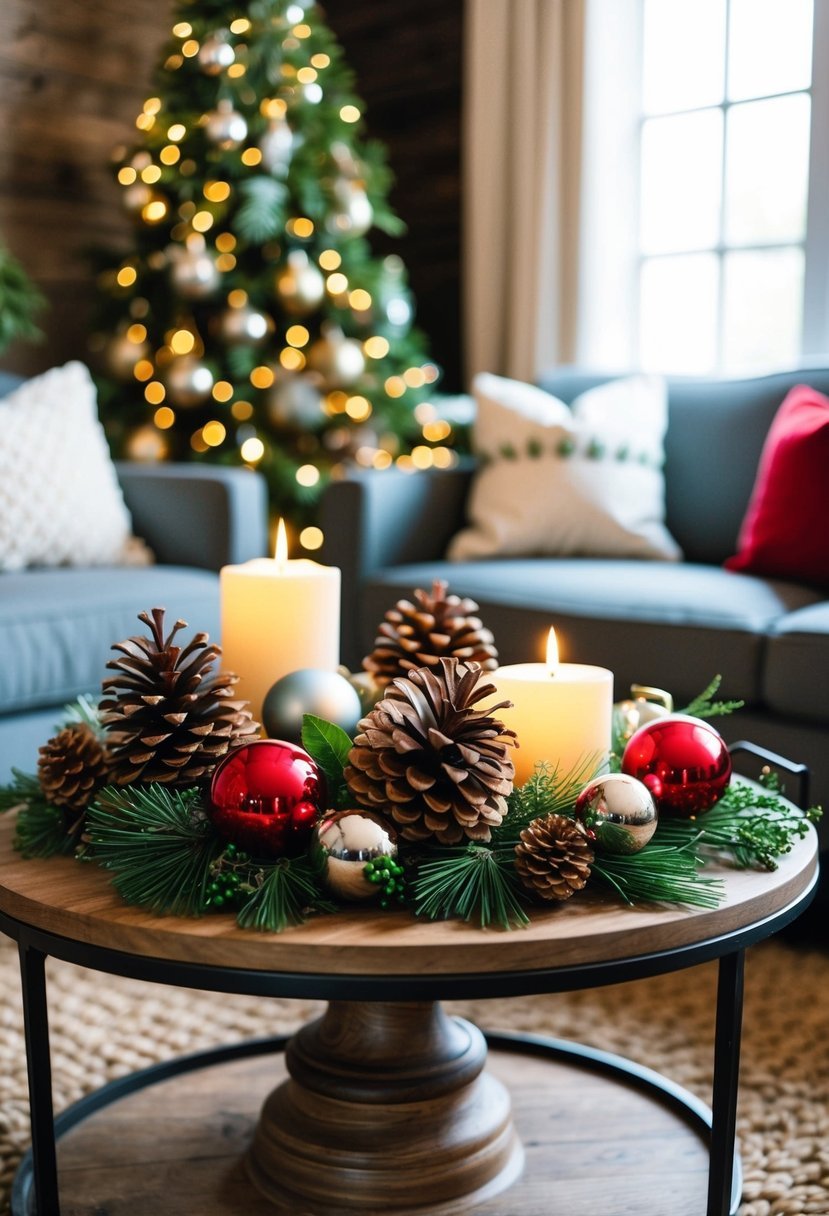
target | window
[{"x": 725, "y": 258}]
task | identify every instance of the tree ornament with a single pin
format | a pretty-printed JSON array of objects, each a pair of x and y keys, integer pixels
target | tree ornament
[
  {"x": 420, "y": 634},
  {"x": 343, "y": 842},
  {"x": 136, "y": 196},
  {"x": 338, "y": 359},
  {"x": 277, "y": 146},
  {"x": 194, "y": 274},
  {"x": 309, "y": 691},
  {"x": 188, "y": 381},
  {"x": 146, "y": 444},
  {"x": 682, "y": 760},
  {"x": 300, "y": 285},
  {"x": 553, "y": 857},
  {"x": 225, "y": 126},
  {"x": 644, "y": 705},
  {"x": 619, "y": 811},
  {"x": 353, "y": 213},
  {"x": 266, "y": 797},
  {"x": 293, "y": 401},
  {"x": 426, "y": 758},
  {"x": 216, "y": 54},
  {"x": 168, "y": 715},
  {"x": 244, "y": 326},
  {"x": 122, "y": 354},
  {"x": 72, "y": 767}
]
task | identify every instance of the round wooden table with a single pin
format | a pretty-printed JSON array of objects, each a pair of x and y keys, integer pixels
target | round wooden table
[{"x": 389, "y": 1105}]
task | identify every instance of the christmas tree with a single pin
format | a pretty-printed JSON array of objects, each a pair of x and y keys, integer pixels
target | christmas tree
[{"x": 250, "y": 322}]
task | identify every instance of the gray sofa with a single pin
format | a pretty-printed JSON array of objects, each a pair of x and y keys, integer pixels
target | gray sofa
[
  {"x": 650, "y": 622},
  {"x": 57, "y": 625}
]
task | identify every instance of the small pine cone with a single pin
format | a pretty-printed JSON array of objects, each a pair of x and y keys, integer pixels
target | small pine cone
[
  {"x": 427, "y": 759},
  {"x": 420, "y": 634},
  {"x": 72, "y": 767},
  {"x": 169, "y": 717},
  {"x": 554, "y": 857}
]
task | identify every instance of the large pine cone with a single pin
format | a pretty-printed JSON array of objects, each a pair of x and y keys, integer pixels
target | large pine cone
[
  {"x": 430, "y": 761},
  {"x": 168, "y": 717},
  {"x": 420, "y": 634},
  {"x": 72, "y": 767},
  {"x": 554, "y": 857}
]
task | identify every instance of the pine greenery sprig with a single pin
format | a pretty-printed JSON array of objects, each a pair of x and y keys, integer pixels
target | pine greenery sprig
[
  {"x": 546, "y": 792},
  {"x": 753, "y": 826},
  {"x": 659, "y": 874},
  {"x": 83, "y": 711},
  {"x": 704, "y": 705},
  {"x": 158, "y": 843},
  {"x": 473, "y": 883},
  {"x": 40, "y": 828},
  {"x": 283, "y": 895}
]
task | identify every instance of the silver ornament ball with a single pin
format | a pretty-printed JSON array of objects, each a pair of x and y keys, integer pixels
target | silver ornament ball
[
  {"x": 216, "y": 54},
  {"x": 339, "y": 360},
  {"x": 344, "y": 841},
  {"x": 122, "y": 355},
  {"x": 294, "y": 402},
  {"x": 194, "y": 274},
  {"x": 300, "y": 285},
  {"x": 225, "y": 127},
  {"x": 188, "y": 381},
  {"x": 620, "y": 810},
  {"x": 353, "y": 213},
  {"x": 644, "y": 705},
  {"x": 277, "y": 146},
  {"x": 244, "y": 326},
  {"x": 309, "y": 691},
  {"x": 136, "y": 196}
]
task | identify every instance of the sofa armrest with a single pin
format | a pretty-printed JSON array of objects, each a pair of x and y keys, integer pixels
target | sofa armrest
[
  {"x": 373, "y": 518},
  {"x": 197, "y": 515}
]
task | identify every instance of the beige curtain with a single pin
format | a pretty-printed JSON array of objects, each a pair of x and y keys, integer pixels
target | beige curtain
[{"x": 521, "y": 181}]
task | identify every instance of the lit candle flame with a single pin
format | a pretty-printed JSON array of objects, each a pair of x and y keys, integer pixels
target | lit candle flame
[
  {"x": 552, "y": 652},
  {"x": 281, "y": 550}
]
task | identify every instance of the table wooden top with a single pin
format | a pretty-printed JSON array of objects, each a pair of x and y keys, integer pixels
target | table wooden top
[{"x": 77, "y": 901}]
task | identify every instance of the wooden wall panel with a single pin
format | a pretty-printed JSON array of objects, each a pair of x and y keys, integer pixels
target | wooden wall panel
[{"x": 73, "y": 75}]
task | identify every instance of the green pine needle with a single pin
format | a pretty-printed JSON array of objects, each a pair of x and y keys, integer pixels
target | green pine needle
[
  {"x": 659, "y": 874},
  {"x": 40, "y": 829},
  {"x": 473, "y": 882},
  {"x": 159, "y": 844},
  {"x": 284, "y": 894},
  {"x": 546, "y": 792},
  {"x": 704, "y": 705},
  {"x": 262, "y": 214},
  {"x": 84, "y": 711}
]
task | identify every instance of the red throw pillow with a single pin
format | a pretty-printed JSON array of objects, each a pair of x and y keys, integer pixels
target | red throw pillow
[{"x": 785, "y": 533}]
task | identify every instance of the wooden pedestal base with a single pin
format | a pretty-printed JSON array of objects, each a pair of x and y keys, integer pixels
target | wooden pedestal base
[{"x": 388, "y": 1109}]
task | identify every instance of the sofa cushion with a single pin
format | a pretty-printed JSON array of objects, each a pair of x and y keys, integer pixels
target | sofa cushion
[
  {"x": 580, "y": 481},
  {"x": 782, "y": 534},
  {"x": 57, "y": 626},
  {"x": 798, "y": 659},
  {"x": 674, "y": 626}
]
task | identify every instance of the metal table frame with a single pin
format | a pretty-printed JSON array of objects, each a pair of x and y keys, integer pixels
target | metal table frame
[{"x": 37, "y": 1175}]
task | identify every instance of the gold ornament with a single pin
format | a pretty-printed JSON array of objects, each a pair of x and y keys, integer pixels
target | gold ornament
[
  {"x": 194, "y": 274},
  {"x": 277, "y": 146},
  {"x": 644, "y": 705},
  {"x": 300, "y": 285},
  {"x": 619, "y": 811},
  {"x": 225, "y": 126},
  {"x": 188, "y": 381},
  {"x": 344, "y": 841},
  {"x": 136, "y": 196},
  {"x": 293, "y": 401},
  {"x": 216, "y": 54},
  {"x": 147, "y": 445},
  {"x": 122, "y": 355},
  {"x": 338, "y": 359},
  {"x": 244, "y": 326},
  {"x": 353, "y": 214}
]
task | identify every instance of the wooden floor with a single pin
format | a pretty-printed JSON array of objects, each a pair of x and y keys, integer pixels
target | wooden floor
[{"x": 592, "y": 1146}]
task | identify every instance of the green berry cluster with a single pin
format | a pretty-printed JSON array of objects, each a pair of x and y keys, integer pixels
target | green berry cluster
[
  {"x": 388, "y": 873},
  {"x": 227, "y": 878}
]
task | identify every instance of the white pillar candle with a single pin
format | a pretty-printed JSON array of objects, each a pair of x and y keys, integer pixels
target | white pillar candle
[
  {"x": 561, "y": 712},
  {"x": 278, "y": 616}
]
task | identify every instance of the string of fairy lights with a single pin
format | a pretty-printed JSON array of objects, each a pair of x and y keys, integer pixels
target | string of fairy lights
[{"x": 215, "y": 358}]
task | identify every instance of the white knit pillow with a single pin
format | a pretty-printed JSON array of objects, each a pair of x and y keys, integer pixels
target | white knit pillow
[
  {"x": 60, "y": 501},
  {"x": 579, "y": 481}
]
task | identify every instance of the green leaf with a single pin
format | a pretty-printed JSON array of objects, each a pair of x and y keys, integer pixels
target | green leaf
[{"x": 329, "y": 746}]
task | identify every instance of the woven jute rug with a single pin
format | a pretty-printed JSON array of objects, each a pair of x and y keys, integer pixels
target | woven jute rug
[{"x": 104, "y": 1026}]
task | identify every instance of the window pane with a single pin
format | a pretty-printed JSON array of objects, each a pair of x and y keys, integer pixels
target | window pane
[
  {"x": 769, "y": 47},
  {"x": 767, "y": 170},
  {"x": 763, "y": 307},
  {"x": 678, "y": 314},
  {"x": 684, "y": 54},
  {"x": 681, "y": 182}
]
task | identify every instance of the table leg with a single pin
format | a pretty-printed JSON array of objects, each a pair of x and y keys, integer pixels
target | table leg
[
  {"x": 726, "y": 1081},
  {"x": 388, "y": 1110},
  {"x": 39, "y": 1065}
]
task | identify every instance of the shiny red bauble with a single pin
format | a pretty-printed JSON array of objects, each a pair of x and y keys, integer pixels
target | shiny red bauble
[
  {"x": 266, "y": 797},
  {"x": 683, "y": 761}
]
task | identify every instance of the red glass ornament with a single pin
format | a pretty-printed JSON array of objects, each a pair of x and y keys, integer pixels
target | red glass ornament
[
  {"x": 266, "y": 797},
  {"x": 683, "y": 761}
]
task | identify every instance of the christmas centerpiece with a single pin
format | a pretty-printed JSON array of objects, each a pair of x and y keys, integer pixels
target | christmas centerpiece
[{"x": 169, "y": 784}]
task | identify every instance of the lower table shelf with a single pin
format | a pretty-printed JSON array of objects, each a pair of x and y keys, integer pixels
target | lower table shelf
[{"x": 599, "y": 1133}]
